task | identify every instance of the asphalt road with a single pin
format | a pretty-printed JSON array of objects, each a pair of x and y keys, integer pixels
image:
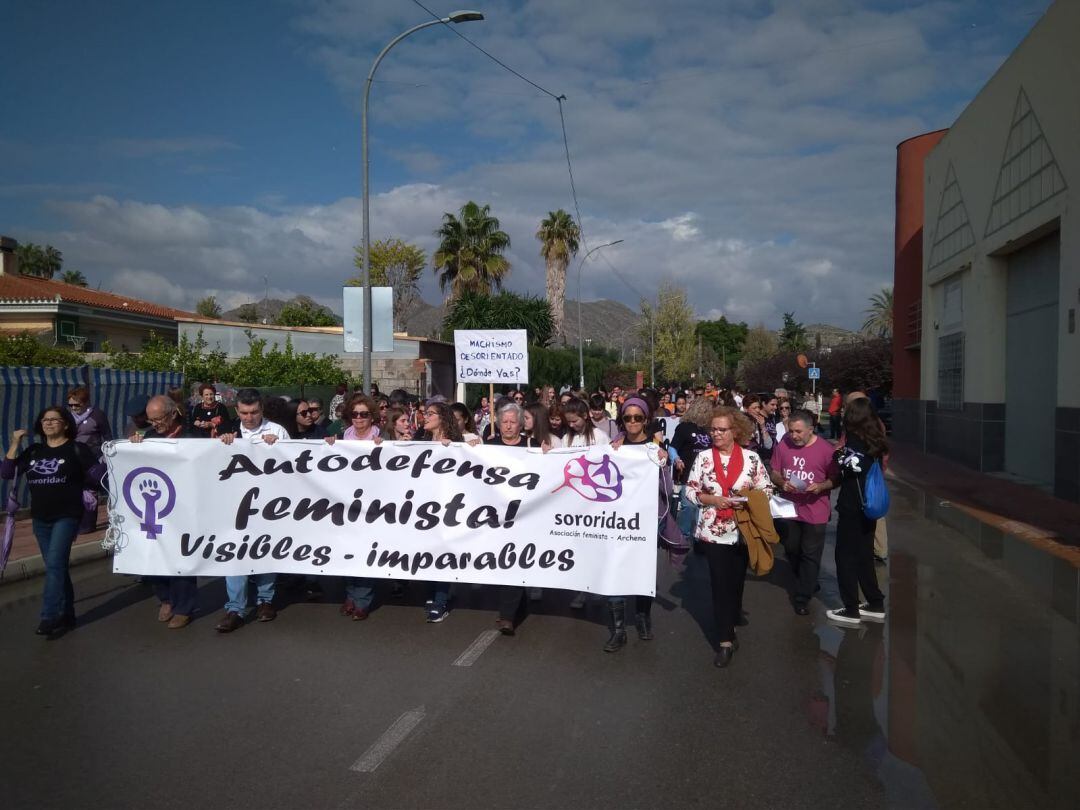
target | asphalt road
[{"x": 315, "y": 711}]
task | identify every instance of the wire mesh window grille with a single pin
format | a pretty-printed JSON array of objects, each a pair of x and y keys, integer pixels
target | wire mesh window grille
[{"x": 951, "y": 371}]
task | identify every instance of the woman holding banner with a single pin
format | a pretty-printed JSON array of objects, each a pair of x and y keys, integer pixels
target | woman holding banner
[
  {"x": 360, "y": 413},
  {"x": 716, "y": 476},
  {"x": 439, "y": 426},
  {"x": 634, "y": 415},
  {"x": 578, "y": 431},
  {"x": 511, "y": 597}
]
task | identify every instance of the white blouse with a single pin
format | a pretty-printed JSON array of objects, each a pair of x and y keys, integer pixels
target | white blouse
[
  {"x": 578, "y": 440},
  {"x": 702, "y": 481}
]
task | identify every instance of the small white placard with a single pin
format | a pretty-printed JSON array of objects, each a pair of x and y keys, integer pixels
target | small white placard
[{"x": 491, "y": 355}]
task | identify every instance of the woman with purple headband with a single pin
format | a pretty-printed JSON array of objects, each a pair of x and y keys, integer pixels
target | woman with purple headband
[{"x": 634, "y": 416}]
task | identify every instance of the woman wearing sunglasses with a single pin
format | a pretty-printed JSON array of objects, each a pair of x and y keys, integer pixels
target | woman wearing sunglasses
[
  {"x": 717, "y": 475},
  {"x": 306, "y": 421},
  {"x": 635, "y": 415},
  {"x": 360, "y": 412},
  {"x": 783, "y": 413}
]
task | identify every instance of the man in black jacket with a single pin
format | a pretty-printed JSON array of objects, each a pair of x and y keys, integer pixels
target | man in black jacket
[{"x": 177, "y": 595}]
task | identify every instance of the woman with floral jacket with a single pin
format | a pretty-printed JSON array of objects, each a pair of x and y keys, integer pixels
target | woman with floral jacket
[{"x": 715, "y": 479}]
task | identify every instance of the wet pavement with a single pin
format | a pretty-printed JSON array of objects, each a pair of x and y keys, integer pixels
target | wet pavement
[{"x": 968, "y": 696}]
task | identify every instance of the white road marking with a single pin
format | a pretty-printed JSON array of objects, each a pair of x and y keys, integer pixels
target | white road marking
[
  {"x": 391, "y": 739},
  {"x": 476, "y": 649}
]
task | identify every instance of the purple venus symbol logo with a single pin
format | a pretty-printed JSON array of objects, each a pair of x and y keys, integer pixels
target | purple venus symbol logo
[
  {"x": 599, "y": 481},
  {"x": 149, "y": 485}
]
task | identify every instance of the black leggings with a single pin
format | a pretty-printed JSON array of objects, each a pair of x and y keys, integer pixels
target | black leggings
[{"x": 855, "y": 560}]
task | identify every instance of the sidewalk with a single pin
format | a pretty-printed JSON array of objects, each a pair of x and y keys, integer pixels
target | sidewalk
[
  {"x": 1045, "y": 523},
  {"x": 25, "y": 560}
]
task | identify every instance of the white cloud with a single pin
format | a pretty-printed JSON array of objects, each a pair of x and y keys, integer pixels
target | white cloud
[
  {"x": 682, "y": 227},
  {"x": 742, "y": 148}
]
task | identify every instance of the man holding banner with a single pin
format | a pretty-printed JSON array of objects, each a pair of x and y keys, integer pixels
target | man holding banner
[{"x": 256, "y": 429}]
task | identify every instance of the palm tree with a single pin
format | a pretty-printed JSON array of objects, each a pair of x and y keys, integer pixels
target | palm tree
[
  {"x": 558, "y": 237},
  {"x": 879, "y": 315},
  {"x": 469, "y": 256},
  {"x": 73, "y": 277}
]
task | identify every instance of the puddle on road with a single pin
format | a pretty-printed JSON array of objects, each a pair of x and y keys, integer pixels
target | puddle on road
[{"x": 969, "y": 695}]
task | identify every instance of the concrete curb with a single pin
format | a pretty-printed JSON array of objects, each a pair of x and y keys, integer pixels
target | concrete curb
[{"x": 30, "y": 567}]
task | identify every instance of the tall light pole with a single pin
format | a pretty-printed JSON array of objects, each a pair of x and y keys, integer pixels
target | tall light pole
[
  {"x": 580, "y": 348},
  {"x": 455, "y": 17}
]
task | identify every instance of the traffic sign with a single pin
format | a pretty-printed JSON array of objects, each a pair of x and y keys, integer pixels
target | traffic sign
[{"x": 815, "y": 373}]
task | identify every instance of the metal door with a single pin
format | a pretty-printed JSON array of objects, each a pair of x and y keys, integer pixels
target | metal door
[{"x": 1031, "y": 360}]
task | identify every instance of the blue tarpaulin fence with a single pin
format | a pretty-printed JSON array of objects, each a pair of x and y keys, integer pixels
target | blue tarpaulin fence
[{"x": 25, "y": 390}]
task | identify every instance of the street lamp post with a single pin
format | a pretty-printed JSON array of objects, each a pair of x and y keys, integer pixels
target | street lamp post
[
  {"x": 455, "y": 17},
  {"x": 580, "y": 347}
]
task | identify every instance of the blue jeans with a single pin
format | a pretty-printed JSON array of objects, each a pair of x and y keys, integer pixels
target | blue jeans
[
  {"x": 440, "y": 594},
  {"x": 237, "y": 588},
  {"x": 688, "y": 514},
  {"x": 54, "y": 538},
  {"x": 361, "y": 590}
]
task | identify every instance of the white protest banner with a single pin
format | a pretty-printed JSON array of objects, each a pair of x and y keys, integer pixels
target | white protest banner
[
  {"x": 582, "y": 519},
  {"x": 491, "y": 355}
]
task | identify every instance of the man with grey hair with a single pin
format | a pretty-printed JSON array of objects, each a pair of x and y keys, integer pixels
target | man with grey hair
[{"x": 804, "y": 470}]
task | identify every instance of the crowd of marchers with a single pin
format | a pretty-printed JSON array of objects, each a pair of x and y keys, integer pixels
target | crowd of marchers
[{"x": 728, "y": 461}]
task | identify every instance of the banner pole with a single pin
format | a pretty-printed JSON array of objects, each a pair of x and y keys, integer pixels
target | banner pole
[{"x": 491, "y": 407}]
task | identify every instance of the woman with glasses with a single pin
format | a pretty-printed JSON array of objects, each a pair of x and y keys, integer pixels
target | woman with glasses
[
  {"x": 208, "y": 415},
  {"x": 717, "y": 475},
  {"x": 91, "y": 423},
  {"x": 360, "y": 412},
  {"x": 439, "y": 426},
  {"x": 57, "y": 470}
]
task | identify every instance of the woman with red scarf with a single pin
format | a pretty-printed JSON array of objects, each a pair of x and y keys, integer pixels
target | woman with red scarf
[{"x": 717, "y": 475}]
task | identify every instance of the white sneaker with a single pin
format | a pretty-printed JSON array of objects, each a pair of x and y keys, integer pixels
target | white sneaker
[
  {"x": 578, "y": 602},
  {"x": 871, "y": 615},
  {"x": 841, "y": 616}
]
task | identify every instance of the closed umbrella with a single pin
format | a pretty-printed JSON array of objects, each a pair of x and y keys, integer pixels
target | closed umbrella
[{"x": 9, "y": 525}]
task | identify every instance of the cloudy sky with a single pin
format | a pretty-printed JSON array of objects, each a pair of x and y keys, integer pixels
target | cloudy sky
[{"x": 743, "y": 149}]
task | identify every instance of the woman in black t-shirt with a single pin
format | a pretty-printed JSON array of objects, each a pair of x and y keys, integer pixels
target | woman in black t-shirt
[{"x": 57, "y": 470}]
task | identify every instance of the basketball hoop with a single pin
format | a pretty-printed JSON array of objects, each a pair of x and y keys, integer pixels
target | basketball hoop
[{"x": 78, "y": 341}]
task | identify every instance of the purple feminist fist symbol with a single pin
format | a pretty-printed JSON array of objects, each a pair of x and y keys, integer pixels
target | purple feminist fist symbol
[
  {"x": 152, "y": 485},
  {"x": 599, "y": 481}
]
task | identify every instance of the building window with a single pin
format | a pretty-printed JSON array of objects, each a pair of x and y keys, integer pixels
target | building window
[{"x": 951, "y": 371}]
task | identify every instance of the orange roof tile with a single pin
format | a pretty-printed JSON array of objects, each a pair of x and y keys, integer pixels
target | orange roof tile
[{"x": 29, "y": 288}]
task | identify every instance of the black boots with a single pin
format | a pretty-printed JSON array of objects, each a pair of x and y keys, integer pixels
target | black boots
[
  {"x": 617, "y": 626},
  {"x": 643, "y": 621}
]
